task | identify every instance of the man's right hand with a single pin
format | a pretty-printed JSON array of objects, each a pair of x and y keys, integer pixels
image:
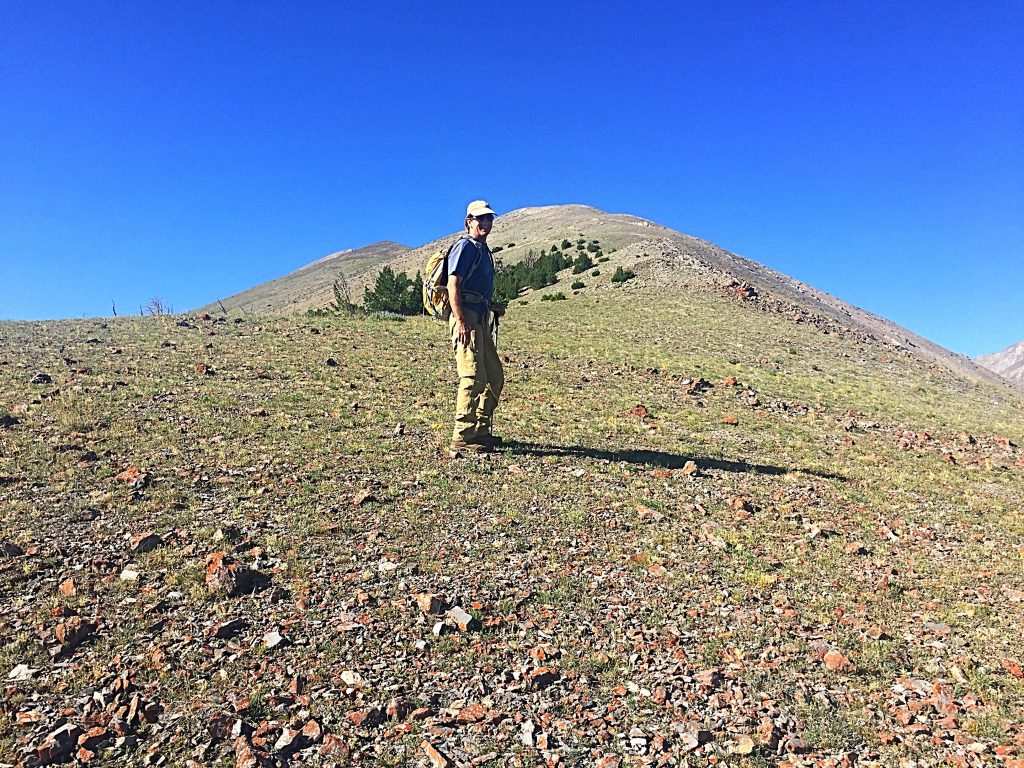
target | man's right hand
[{"x": 463, "y": 335}]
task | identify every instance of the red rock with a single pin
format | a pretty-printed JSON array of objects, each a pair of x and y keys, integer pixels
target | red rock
[
  {"x": 248, "y": 755},
  {"x": 133, "y": 476},
  {"x": 72, "y": 632},
  {"x": 437, "y": 758},
  {"x": 835, "y": 660},
  {"x": 542, "y": 677},
  {"x": 227, "y": 629},
  {"x": 312, "y": 732},
  {"x": 67, "y": 587},
  {"x": 474, "y": 713},
  {"x": 431, "y": 604},
  {"x": 365, "y": 718},
  {"x": 742, "y": 504},
  {"x": 59, "y": 745},
  {"x": 225, "y": 575},
  {"x": 730, "y": 419},
  {"x": 334, "y": 746},
  {"x": 94, "y": 738}
]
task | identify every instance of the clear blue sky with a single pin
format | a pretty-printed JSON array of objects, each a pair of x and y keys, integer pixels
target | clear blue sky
[{"x": 191, "y": 150}]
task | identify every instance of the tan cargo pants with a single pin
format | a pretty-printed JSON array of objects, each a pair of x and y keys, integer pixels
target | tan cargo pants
[{"x": 481, "y": 377}]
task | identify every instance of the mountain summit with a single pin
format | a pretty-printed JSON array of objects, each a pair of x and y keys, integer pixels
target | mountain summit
[
  {"x": 663, "y": 259},
  {"x": 1009, "y": 363}
]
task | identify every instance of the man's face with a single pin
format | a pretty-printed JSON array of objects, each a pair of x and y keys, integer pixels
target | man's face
[{"x": 480, "y": 226}]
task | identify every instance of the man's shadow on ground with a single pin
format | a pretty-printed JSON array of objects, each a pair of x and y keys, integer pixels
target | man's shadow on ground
[{"x": 657, "y": 459}]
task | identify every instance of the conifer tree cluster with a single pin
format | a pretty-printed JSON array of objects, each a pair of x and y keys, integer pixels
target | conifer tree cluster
[
  {"x": 394, "y": 293},
  {"x": 529, "y": 273}
]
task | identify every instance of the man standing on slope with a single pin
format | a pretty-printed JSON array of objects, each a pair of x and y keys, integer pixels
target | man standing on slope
[{"x": 470, "y": 294}]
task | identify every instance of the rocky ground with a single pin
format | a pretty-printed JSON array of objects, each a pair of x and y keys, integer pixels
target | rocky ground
[{"x": 713, "y": 536}]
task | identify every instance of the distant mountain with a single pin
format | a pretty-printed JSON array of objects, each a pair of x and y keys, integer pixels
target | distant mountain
[
  {"x": 1009, "y": 363},
  {"x": 663, "y": 259},
  {"x": 312, "y": 285}
]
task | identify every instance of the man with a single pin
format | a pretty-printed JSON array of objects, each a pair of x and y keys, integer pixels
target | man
[{"x": 470, "y": 294}]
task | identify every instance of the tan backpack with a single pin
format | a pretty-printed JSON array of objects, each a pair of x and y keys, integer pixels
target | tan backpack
[{"x": 435, "y": 280}]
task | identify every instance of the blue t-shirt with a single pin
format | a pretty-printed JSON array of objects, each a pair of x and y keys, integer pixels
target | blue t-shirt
[{"x": 460, "y": 262}]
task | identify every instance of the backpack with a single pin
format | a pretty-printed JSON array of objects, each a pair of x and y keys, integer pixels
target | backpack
[{"x": 435, "y": 281}]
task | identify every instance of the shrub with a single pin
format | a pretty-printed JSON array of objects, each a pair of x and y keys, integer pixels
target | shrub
[
  {"x": 566, "y": 244},
  {"x": 577, "y": 284},
  {"x": 581, "y": 264},
  {"x": 593, "y": 247},
  {"x": 394, "y": 293},
  {"x": 553, "y": 297},
  {"x": 596, "y": 273},
  {"x": 342, "y": 298},
  {"x": 510, "y": 245},
  {"x": 602, "y": 259},
  {"x": 497, "y": 249},
  {"x": 622, "y": 275}
]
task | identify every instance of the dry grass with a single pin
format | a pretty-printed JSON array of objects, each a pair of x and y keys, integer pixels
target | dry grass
[{"x": 586, "y": 533}]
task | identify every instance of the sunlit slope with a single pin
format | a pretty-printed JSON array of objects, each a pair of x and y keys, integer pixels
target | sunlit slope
[{"x": 745, "y": 537}]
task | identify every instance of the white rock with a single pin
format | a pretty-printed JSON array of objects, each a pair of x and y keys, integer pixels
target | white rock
[
  {"x": 273, "y": 639},
  {"x": 21, "y": 672},
  {"x": 129, "y": 575},
  {"x": 352, "y": 679}
]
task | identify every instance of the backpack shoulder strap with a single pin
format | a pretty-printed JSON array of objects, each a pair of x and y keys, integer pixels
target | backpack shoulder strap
[{"x": 479, "y": 254}]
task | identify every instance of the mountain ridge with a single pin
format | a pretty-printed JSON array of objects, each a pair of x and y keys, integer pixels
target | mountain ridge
[
  {"x": 661, "y": 257},
  {"x": 1009, "y": 363}
]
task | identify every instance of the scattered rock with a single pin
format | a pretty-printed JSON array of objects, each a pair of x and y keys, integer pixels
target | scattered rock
[
  {"x": 10, "y": 549},
  {"x": 59, "y": 745},
  {"x": 437, "y": 758},
  {"x": 744, "y": 746},
  {"x": 362, "y": 498},
  {"x": 432, "y": 604},
  {"x": 145, "y": 542},
  {"x": 274, "y": 639},
  {"x": 227, "y": 576},
  {"x": 463, "y": 620},
  {"x": 21, "y": 673},
  {"x": 542, "y": 677},
  {"x": 72, "y": 632},
  {"x": 227, "y": 629}
]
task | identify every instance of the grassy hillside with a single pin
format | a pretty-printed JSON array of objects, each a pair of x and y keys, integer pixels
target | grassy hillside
[{"x": 715, "y": 535}]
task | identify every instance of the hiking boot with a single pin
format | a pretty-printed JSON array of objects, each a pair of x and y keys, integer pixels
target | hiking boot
[{"x": 468, "y": 446}]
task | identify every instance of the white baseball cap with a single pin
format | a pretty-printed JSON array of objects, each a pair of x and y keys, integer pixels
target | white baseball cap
[{"x": 479, "y": 208}]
